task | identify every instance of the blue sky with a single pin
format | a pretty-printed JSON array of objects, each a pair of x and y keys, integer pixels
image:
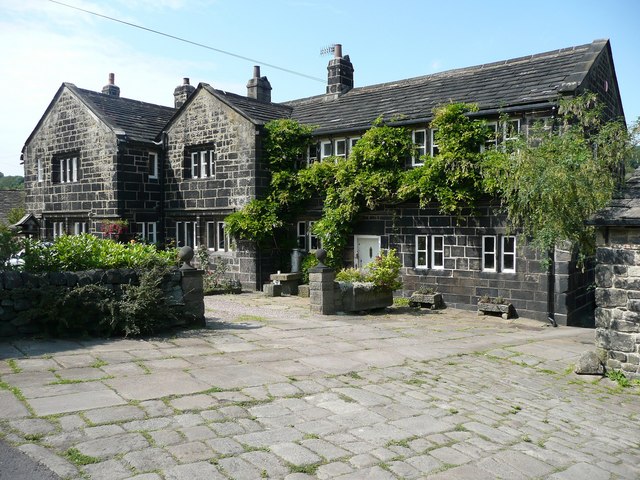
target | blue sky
[{"x": 43, "y": 44}]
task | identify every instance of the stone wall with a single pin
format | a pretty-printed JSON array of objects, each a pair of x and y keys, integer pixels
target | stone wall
[
  {"x": 183, "y": 290},
  {"x": 534, "y": 291},
  {"x": 70, "y": 128},
  {"x": 617, "y": 314},
  {"x": 236, "y": 180},
  {"x": 10, "y": 199}
]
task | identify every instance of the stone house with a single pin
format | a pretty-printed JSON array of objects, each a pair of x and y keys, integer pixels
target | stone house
[{"x": 184, "y": 169}]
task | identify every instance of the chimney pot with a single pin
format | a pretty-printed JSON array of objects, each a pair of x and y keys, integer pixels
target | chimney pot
[
  {"x": 259, "y": 87},
  {"x": 340, "y": 73},
  {"x": 110, "y": 88},
  {"x": 182, "y": 92}
]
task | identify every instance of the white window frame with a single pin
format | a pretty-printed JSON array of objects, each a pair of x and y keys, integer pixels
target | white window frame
[
  {"x": 493, "y": 252},
  {"x": 324, "y": 144},
  {"x": 202, "y": 164},
  {"x": 506, "y": 253},
  {"x": 352, "y": 143},
  {"x": 491, "y": 142},
  {"x": 79, "y": 228},
  {"x": 154, "y": 169},
  {"x": 148, "y": 231},
  {"x": 186, "y": 231},
  {"x": 39, "y": 170},
  {"x": 513, "y": 136},
  {"x": 314, "y": 241},
  {"x": 435, "y": 265},
  {"x": 433, "y": 146},
  {"x": 222, "y": 239},
  {"x": 301, "y": 235},
  {"x": 336, "y": 147},
  {"x": 422, "y": 147},
  {"x": 312, "y": 153},
  {"x": 425, "y": 251},
  {"x": 58, "y": 229}
]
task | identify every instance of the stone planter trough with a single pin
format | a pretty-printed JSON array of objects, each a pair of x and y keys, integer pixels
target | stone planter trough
[
  {"x": 506, "y": 310},
  {"x": 359, "y": 296},
  {"x": 427, "y": 300}
]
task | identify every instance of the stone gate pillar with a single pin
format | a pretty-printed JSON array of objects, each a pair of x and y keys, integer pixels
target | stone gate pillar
[{"x": 321, "y": 286}]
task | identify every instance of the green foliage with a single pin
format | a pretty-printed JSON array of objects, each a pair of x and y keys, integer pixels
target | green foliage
[
  {"x": 11, "y": 182},
  {"x": 9, "y": 245},
  {"x": 351, "y": 275},
  {"x": 286, "y": 143},
  {"x": 308, "y": 263},
  {"x": 214, "y": 280},
  {"x": 453, "y": 177},
  {"x": 551, "y": 183},
  {"x": 259, "y": 221},
  {"x": 86, "y": 252},
  {"x": 383, "y": 272},
  {"x": 618, "y": 377},
  {"x": 15, "y": 215}
]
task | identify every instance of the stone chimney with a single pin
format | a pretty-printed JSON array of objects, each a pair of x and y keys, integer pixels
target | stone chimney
[
  {"x": 110, "y": 88},
  {"x": 259, "y": 87},
  {"x": 182, "y": 92},
  {"x": 340, "y": 77}
]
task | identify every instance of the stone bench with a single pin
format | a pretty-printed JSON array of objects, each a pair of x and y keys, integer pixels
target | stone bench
[{"x": 288, "y": 281}]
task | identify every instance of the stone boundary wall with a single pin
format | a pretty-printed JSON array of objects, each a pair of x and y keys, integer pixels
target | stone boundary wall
[
  {"x": 617, "y": 314},
  {"x": 183, "y": 289}
]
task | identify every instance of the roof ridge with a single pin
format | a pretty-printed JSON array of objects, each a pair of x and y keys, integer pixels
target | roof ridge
[
  {"x": 474, "y": 68},
  {"x": 94, "y": 92}
]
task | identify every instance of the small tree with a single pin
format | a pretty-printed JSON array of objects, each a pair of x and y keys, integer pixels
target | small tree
[{"x": 553, "y": 181}]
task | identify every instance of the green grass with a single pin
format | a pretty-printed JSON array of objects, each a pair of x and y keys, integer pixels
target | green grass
[
  {"x": 354, "y": 375},
  {"x": 306, "y": 469},
  {"x": 13, "y": 365},
  {"x": 75, "y": 456},
  {"x": 618, "y": 377},
  {"x": 401, "y": 302},
  {"x": 250, "y": 318},
  {"x": 99, "y": 363}
]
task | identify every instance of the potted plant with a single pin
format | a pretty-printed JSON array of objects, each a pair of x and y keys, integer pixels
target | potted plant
[
  {"x": 497, "y": 305},
  {"x": 426, "y": 297},
  {"x": 369, "y": 288}
]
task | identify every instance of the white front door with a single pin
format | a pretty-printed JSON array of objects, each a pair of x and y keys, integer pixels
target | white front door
[{"x": 367, "y": 248}]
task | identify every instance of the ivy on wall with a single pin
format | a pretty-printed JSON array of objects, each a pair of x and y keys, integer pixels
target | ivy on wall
[{"x": 548, "y": 183}]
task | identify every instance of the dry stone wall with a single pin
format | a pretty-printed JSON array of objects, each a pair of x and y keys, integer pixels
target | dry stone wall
[{"x": 17, "y": 294}]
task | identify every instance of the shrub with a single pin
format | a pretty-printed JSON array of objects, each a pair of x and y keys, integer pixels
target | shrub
[
  {"x": 383, "y": 272},
  {"x": 308, "y": 263},
  {"x": 86, "y": 252}
]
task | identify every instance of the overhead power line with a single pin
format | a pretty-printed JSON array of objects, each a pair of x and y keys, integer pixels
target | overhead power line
[{"x": 180, "y": 39}]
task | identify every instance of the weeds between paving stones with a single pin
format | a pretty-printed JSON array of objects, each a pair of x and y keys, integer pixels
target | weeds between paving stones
[{"x": 75, "y": 456}]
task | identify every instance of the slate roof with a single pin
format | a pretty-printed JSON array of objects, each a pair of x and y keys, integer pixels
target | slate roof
[
  {"x": 257, "y": 111},
  {"x": 139, "y": 121},
  {"x": 624, "y": 209},
  {"x": 524, "y": 81}
]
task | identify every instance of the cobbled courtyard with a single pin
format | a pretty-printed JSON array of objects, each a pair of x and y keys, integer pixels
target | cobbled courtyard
[{"x": 269, "y": 390}]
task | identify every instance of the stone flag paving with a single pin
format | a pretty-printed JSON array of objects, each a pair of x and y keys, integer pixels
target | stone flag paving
[{"x": 269, "y": 390}]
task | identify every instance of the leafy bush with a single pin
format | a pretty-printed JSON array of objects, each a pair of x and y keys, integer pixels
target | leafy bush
[
  {"x": 308, "y": 263},
  {"x": 9, "y": 246},
  {"x": 352, "y": 275},
  {"x": 383, "y": 272},
  {"x": 86, "y": 252}
]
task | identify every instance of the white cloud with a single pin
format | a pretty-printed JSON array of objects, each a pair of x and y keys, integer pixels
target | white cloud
[{"x": 39, "y": 52}]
